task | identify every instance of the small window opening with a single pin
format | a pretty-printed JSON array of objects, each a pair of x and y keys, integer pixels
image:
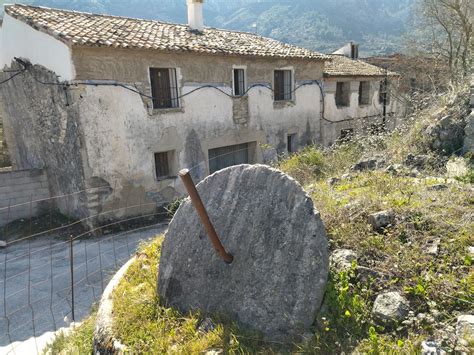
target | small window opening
[
  {"x": 291, "y": 143},
  {"x": 364, "y": 93},
  {"x": 163, "y": 165},
  {"x": 283, "y": 85},
  {"x": 164, "y": 88},
  {"x": 343, "y": 91},
  {"x": 239, "y": 82}
]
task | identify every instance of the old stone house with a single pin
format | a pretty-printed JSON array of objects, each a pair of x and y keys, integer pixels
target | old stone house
[
  {"x": 357, "y": 96},
  {"x": 113, "y": 107}
]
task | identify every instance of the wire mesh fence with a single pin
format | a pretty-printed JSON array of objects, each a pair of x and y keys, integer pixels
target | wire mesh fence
[{"x": 54, "y": 268}]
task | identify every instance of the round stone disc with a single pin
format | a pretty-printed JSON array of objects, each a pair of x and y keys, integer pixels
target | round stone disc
[{"x": 268, "y": 223}]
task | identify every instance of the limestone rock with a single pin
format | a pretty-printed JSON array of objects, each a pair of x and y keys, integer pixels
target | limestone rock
[
  {"x": 267, "y": 222},
  {"x": 431, "y": 348},
  {"x": 465, "y": 327},
  {"x": 457, "y": 167},
  {"x": 432, "y": 246},
  {"x": 368, "y": 164},
  {"x": 381, "y": 219},
  {"x": 390, "y": 307},
  {"x": 418, "y": 161},
  {"x": 3, "y": 244},
  {"x": 341, "y": 259},
  {"x": 333, "y": 181},
  {"x": 437, "y": 187}
]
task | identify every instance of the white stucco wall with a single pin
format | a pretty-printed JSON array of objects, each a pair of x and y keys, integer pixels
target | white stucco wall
[
  {"x": 22, "y": 41},
  {"x": 121, "y": 136},
  {"x": 354, "y": 116}
]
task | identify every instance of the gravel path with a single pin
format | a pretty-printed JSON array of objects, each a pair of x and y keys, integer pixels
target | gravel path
[{"x": 35, "y": 284}]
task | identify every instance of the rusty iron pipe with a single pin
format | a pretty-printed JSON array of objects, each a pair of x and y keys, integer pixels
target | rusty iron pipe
[{"x": 201, "y": 210}]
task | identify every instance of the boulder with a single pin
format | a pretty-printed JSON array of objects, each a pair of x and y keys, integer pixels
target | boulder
[
  {"x": 390, "y": 307},
  {"x": 277, "y": 279},
  {"x": 341, "y": 259},
  {"x": 381, "y": 219}
]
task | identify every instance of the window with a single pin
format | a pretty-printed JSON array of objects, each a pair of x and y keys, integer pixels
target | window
[
  {"x": 346, "y": 134},
  {"x": 384, "y": 92},
  {"x": 164, "y": 88},
  {"x": 291, "y": 143},
  {"x": 343, "y": 91},
  {"x": 220, "y": 158},
  {"x": 283, "y": 85},
  {"x": 163, "y": 164},
  {"x": 239, "y": 82},
  {"x": 364, "y": 93}
]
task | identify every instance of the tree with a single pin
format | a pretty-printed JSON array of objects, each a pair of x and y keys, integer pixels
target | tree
[{"x": 448, "y": 24}]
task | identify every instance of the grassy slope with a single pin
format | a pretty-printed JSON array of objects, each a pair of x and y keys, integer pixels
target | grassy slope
[{"x": 441, "y": 285}]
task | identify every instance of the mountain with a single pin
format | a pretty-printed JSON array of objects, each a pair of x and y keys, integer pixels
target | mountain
[{"x": 317, "y": 24}]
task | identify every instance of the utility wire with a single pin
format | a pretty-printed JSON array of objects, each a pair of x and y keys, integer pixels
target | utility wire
[{"x": 27, "y": 67}]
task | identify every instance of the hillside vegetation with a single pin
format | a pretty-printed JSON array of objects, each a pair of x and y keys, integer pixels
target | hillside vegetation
[
  {"x": 317, "y": 24},
  {"x": 423, "y": 254}
]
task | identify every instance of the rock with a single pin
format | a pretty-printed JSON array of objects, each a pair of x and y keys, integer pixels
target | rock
[
  {"x": 381, "y": 219},
  {"x": 333, "y": 181},
  {"x": 465, "y": 327},
  {"x": 470, "y": 250},
  {"x": 341, "y": 259},
  {"x": 390, "y": 307},
  {"x": 214, "y": 352},
  {"x": 346, "y": 177},
  {"x": 206, "y": 325},
  {"x": 418, "y": 161},
  {"x": 394, "y": 169},
  {"x": 277, "y": 280},
  {"x": 458, "y": 167},
  {"x": 3, "y": 244},
  {"x": 437, "y": 187},
  {"x": 368, "y": 164},
  {"x": 431, "y": 347},
  {"x": 432, "y": 246}
]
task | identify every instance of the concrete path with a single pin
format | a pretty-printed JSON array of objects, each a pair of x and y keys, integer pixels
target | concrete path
[{"x": 35, "y": 284}]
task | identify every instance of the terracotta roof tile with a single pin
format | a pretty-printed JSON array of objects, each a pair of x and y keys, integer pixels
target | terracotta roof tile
[
  {"x": 85, "y": 29},
  {"x": 344, "y": 66}
]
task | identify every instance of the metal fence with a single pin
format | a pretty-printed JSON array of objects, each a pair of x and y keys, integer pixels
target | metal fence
[{"x": 53, "y": 270}]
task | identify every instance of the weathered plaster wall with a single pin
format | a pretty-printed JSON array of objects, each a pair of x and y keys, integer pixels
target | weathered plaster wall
[
  {"x": 23, "y": 194},
  {"x": 355, "y": 116},
  {"x": 22, "y": 41},
  {"x": 131, "y": 66},
  {"x": 122, "y": 133},
  {"x": 41, "y": 127}
]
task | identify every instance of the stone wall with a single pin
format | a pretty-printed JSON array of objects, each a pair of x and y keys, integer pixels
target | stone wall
[
  {"x": 17, "y": 191},
  {"x": 42, "y": 130}
]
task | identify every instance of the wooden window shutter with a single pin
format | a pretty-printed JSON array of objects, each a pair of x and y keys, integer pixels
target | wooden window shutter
[
  {"x": 161, "y": 88},
  {"x": 162, "y": 165},
  {"x": 279, "y": 85}
]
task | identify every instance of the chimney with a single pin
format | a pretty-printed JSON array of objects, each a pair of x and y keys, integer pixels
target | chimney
[{"x": 195, "y": 17}]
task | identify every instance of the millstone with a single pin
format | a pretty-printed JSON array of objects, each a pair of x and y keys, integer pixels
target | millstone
[{"x": 267, "y": 222}]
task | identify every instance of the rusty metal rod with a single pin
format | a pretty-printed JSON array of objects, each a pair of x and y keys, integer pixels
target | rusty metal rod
[{"x": 201, "y": 210}]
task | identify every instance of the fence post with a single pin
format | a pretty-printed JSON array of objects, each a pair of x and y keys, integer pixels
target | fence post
[
  {"x": 71, "y": 259},
  {"x": 201, "y": 210}
]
